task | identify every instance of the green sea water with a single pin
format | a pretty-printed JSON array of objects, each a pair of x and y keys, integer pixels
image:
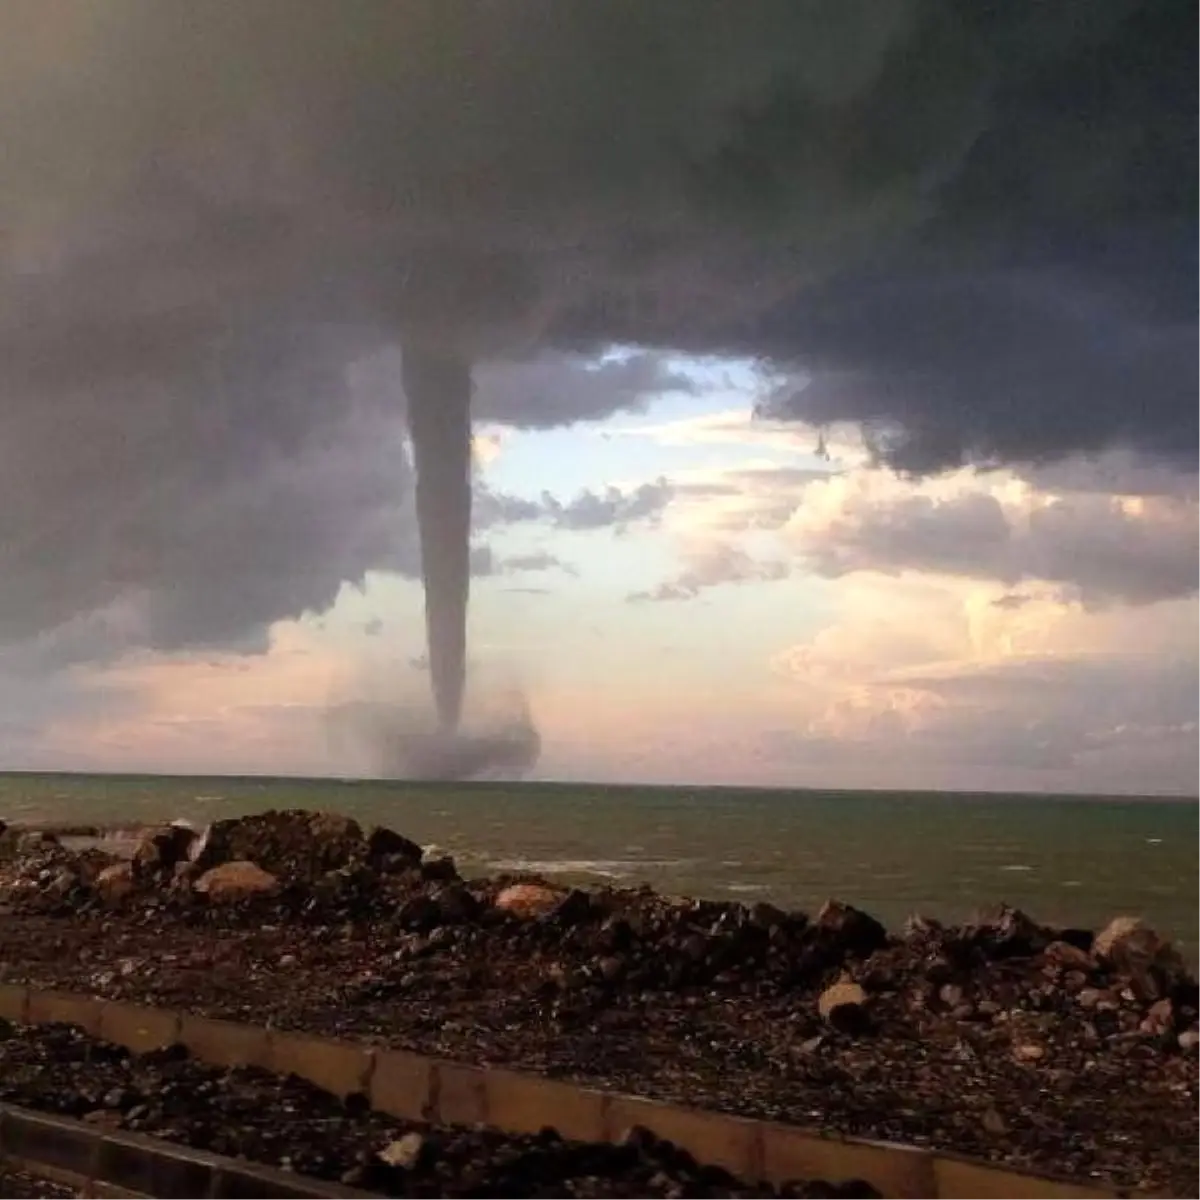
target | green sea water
[{"x": 1070, "y": 860}]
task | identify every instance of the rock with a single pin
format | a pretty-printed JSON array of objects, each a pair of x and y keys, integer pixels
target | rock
[
  {"x": 160, "y": 849},
  {"x": 62, "y": 883},
  {"x": 575, "y": 908},
  {"x": 420, "y": 913},
  {"x": 920, "y": 926},
  {"x": 611, "y": 968},
  {"x": 439, "y": 869},
  {"x": 854, "y": 931},
  {"x": 404, "y": 1153},
  {"x": 1159, "y": 1018},
  {"x": 1189, "y": 1040},
  {"x": 184, "y": 876},
  {"x": 1150, "y": 964},
  {"x": 950, "y": 994},
  {"x": 115, "y": 882},
  {"x": 34, "y": 841},
  {"x": 386, "y": 845},
  {"x": 844, "y": 994},
  {"x": 292, "y": 844},
  {"x": 456, "y": 905},
  {"x": 1008, "y": 933},
  {"x": 994, "y": 1123},
  {"x": 1064, "y": 954},
  {"x": 235, "y": 881},
  {"x": 528, "y": 900},
  {"x": 1029, "y": 1052},
  {"x": 1117, "y": 930}
]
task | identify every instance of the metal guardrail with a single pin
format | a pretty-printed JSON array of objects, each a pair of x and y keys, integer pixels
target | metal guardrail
[{"x": 416, "y": 1087}]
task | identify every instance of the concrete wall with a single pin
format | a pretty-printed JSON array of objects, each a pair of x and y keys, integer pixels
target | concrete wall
[{"x": 415, "y": 1087}]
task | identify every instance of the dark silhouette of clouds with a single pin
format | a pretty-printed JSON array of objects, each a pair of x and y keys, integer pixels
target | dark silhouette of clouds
[{"x": 969, "y": 227}]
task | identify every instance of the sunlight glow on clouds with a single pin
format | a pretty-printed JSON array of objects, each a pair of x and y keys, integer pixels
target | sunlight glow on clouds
[{"x": 827, "y": 622}]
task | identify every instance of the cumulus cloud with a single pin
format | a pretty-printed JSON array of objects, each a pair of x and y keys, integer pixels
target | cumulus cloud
[
  {"x": 1104, "y": 548},
  {"x": 1042, "y": 694},
  {"x": 716, "y": 565},
  {"x": 588, "y": 510}
]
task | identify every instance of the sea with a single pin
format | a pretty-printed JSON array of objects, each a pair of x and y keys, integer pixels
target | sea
[{"x": 1069, "y": 860}]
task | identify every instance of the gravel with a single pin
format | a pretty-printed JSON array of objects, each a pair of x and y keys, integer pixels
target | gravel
[
  {"x": 1043, "y": 1049},
  {"x": 289, "y": 1123}
]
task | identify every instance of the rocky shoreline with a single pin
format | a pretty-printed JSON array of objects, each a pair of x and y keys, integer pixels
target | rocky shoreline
[{"x": 1050, "y": 1050}]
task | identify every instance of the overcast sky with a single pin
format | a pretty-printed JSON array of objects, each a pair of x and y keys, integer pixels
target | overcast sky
[{"x": 834, "y": 380}]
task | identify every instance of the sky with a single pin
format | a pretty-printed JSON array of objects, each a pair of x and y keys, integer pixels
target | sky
[{"x": 833, "y": 389}]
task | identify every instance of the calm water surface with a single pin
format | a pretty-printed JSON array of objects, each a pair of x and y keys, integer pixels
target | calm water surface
[{"x": 1065, "y": 859}]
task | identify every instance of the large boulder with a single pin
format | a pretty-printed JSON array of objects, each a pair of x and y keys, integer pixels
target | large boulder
[
  {"x": 843, "y": 1005},
  {"x": 388, "y": 850},
  {"x": 1133, "y": 950},
  {"x": 235, "y": 881},
  {"x": 1007, "y": 932},
  {"x": 159, "y": 849},
  {"x": 528, "y": 900},
  {"x": 851, "y": 930},
  {"x": 294, "y": 844},
  {"x": 116, "y": 882}
]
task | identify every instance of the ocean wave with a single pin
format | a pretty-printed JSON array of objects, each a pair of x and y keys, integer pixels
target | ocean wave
[{"x": 605, "y": 868}]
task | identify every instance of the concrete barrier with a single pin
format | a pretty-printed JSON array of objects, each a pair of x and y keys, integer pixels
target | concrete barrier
[
  {"x": 415, "y": 1087},
  {"x": 225, "y": 1043},
  {"x": 14, "y": 1002},
  {"x": 338, "y": 1067},
  {"x": 790, "y": 1152},
  {"x": 137, "y": 1026},
  {"x": 46, "y": 1008},
  {"x": 402, "y": 1085}
]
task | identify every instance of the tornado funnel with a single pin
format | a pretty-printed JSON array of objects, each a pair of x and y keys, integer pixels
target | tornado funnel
[{"x": 438, "y": 387}]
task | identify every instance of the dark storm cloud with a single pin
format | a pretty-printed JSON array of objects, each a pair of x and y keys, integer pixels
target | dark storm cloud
[
  {"x": 997, "y": 365},
  {"x": 554, "y": 387},
  {"x": 973, "y": 226},
  {"x": 1048, "y": 305}
]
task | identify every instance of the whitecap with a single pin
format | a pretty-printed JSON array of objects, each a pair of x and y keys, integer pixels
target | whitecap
[
  {"x": 1017, "y": 867},
  {"x": 605, "y": 868}
]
